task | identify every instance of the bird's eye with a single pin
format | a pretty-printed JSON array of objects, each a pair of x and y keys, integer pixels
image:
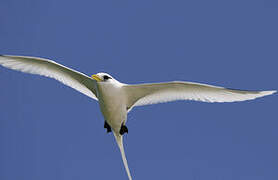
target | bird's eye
[{"x": 105, "y": 77}]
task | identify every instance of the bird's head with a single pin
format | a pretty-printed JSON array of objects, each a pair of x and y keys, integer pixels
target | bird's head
[{"x": 103, "y": 77}]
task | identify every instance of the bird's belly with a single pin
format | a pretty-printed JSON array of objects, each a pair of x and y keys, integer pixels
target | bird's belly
[
  {"x": 112, "y": 105},
  {"x": 114, "y": 110}
]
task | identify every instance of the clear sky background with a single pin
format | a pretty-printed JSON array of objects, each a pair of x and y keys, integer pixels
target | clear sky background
[{"x": 49, "y": 131}]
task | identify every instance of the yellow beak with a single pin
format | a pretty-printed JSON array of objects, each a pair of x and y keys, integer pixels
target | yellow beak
[{"x": 96, "y": 77}]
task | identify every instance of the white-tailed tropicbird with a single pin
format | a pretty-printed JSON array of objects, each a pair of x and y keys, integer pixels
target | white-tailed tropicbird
[{"x": 116, "y": 99}]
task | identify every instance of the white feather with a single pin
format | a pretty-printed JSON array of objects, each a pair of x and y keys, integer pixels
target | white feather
[
  {"x": 48, "y": 68},
  {"x": 144, "y": 94},
  {"x": 119, "y": 140}
]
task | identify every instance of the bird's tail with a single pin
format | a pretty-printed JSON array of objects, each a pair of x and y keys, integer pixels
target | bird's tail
[{"x": 119, "y": 139}]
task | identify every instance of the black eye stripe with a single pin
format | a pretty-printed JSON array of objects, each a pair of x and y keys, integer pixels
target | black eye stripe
[{"x": 105, "y": 77}]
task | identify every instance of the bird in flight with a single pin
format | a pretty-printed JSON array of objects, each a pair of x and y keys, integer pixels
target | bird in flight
[{"x": 116, "y": 99}]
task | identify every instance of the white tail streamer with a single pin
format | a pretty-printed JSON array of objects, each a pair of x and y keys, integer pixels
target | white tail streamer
[{"x": 119, "y": 139}]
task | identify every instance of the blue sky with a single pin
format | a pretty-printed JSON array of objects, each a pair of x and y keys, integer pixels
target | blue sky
[{"x": 49, "y": 131}]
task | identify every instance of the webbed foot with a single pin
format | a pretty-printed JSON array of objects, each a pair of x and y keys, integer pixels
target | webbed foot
[
  {"x": 123, "y": 129},
  {"x": 106, "y": 125}
]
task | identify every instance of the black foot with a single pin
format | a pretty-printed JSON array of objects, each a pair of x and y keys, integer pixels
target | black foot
[
  {"x": 123, "y": 129},
  {"x": 106, "y": 125}
]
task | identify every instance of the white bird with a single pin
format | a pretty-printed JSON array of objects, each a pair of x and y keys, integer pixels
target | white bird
[{"x": 116, "y": 99}]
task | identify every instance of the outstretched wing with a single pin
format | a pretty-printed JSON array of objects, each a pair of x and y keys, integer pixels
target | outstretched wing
[
  {"x": 48, "y": 68},
  {"x": 143, "y": 94}
]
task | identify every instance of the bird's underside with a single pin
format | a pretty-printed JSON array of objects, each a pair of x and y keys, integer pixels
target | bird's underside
[
  {"x": 108, "y": 128},
  {"x": 117, "y": 99}
]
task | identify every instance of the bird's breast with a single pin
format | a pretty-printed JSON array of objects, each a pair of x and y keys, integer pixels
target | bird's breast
[{"x": 112, "y": 104}]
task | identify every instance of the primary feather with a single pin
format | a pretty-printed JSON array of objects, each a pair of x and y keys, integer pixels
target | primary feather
[
  {"x": 144, "y": 94},
  {"x": 48, "y": 68}
]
